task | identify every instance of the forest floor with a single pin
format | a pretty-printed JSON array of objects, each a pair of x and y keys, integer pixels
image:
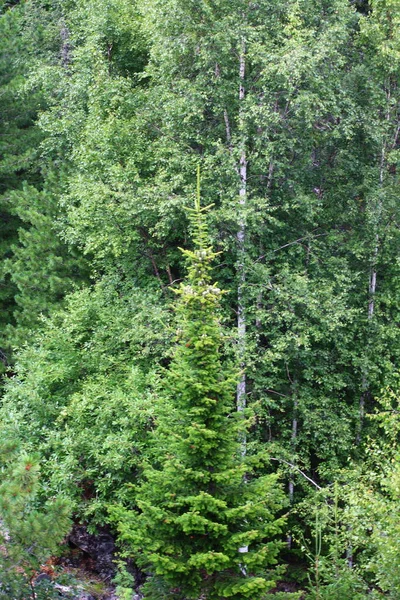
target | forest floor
[{"x": 74, "y": 577}]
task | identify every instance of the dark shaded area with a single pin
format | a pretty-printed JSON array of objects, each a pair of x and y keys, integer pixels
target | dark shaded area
[
  {"x": 99, "y": 550},
  {"x": 362, "y": 6}
]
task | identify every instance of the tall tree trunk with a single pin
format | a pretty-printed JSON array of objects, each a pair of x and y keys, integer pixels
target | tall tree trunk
[
  {"x": 365, "y": 392},
  {"x": 65, "y": 46},
  {"x": 293, "y": 448},
  {"x": 241, "y": 318}
]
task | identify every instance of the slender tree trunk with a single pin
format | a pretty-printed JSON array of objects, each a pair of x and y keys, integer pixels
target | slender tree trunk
[
  {"x": 372, "y": 281},
  {"x": 371, "y": 294},
  {"x": 241, "y": 170},
  {"x": 241, "y": 387},
  {"x": 65, "y": 46},
  {"x": 371, "y": 309},
  {"x": 293, "y": 444}
]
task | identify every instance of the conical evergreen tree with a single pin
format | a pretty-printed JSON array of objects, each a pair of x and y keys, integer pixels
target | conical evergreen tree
[{"x": 206, "y": 526}]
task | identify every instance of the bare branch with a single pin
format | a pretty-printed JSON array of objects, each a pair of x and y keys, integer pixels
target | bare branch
[{"x": 292, "y": 466}]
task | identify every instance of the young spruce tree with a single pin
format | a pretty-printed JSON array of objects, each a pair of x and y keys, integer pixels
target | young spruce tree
[{"x": 207, "y": 527}]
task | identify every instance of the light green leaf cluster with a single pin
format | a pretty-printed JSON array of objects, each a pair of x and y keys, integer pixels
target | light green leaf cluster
[{"x": 86, "y": 394}]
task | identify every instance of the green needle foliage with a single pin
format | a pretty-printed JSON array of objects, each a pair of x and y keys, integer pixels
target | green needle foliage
[
  {"x": 29, "y": 534},
  {"x": 206, "y": 525}
]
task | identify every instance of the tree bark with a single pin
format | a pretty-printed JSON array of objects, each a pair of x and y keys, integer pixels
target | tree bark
[
  {"x": 241, "y": 235},
  {"x": 373, "y": 273},
  {"x": 65, "y": 46}
]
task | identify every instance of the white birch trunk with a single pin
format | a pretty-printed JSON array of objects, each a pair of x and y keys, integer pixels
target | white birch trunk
[
  {"x": 65, "y": 46},
  {"x": 241, "y": 387},
  {"x": 371, "y": 309},
  {"x": 293, "y": 444},
  {"x": 241, "y": 314},
  {"x": 373, "y": 270}
]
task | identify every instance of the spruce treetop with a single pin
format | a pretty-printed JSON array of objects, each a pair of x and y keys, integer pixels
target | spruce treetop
[{"x": 204, "y": 529}]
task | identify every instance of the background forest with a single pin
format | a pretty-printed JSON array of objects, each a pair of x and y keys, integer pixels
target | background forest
[{"x": 291, "y": 108}]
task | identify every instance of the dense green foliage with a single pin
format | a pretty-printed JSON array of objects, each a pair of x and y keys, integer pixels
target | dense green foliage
[
  {"x": 29, "y": 534},
  {"x": 206, "y": 526},
  {"x": 292, "y": 110}
]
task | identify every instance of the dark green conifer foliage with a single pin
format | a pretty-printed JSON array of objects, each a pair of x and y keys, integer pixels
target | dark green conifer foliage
[
  {"x": 19, "y": 139},
  {"x": 206, "y": 525},
  {"x": 37, "y": 268},
  {"x": 29, "y": 534}
]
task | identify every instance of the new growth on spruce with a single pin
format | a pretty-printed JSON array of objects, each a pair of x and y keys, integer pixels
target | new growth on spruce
[{"x": 206, "y": 528}]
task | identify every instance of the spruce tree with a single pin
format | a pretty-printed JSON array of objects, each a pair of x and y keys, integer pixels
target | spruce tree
[
  {"x": 206, "y": 527},
  {"x": 29, "y": 533}
]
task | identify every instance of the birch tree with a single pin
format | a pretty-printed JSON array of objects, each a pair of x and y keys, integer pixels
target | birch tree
[{"x": 379, "y": 34}]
